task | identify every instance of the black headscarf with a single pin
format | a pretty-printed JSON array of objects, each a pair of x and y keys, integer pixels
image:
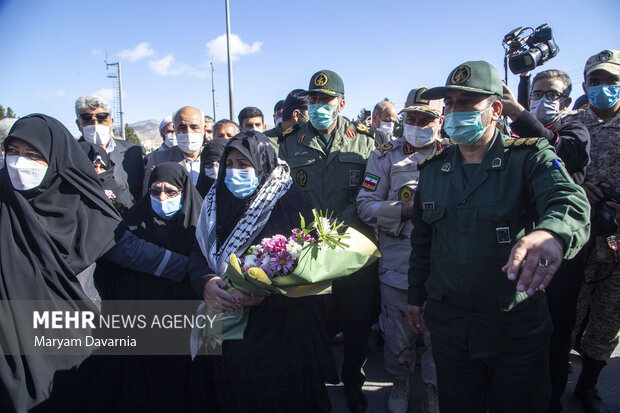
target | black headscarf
[
  {"x": 47, "y": 235},
  {"x": 258, "y": 149},
  {"x": 97, "y": 152},
  {"x": 177, "y": 233},
  {"x": 212, "y": 150}
]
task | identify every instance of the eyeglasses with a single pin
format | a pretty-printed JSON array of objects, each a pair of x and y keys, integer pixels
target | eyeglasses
[
  {"x": 101, "y": 117},
  {"x": 550, "y": 94},
  {"x": 170, "y": 193}
]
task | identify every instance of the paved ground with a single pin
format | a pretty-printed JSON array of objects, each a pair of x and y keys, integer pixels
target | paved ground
[{"x": 378, "y": 385}]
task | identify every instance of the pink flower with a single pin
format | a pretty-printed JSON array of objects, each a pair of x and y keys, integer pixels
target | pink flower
[
  {"x": 277, "y": 243},
  {"x": 282, "y": 262},
  {"x": 109, "y": 194}
]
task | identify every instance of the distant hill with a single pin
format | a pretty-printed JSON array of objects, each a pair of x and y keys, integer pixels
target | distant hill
[{"x": 148, "y": 133}]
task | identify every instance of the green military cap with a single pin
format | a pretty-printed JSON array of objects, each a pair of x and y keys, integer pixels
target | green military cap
[
  {"x": 474, "y": 76},
  {"x": 326, "y": 82},
  {"x": 415, "y": 103}
]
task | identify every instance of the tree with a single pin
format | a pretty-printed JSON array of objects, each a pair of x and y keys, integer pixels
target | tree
[
  {"x": 2, "y": 112},
  {"x": 10, "y": 113},
  {"x": 131, "y": 136}
]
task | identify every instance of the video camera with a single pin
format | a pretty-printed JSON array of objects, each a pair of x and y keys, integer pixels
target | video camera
[{"x": 527, "y": 48}]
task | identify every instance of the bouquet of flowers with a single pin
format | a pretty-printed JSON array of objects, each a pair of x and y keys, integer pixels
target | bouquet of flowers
[
  {"x": 305, "y": 262},
  {"x": 117, "y": 205}
]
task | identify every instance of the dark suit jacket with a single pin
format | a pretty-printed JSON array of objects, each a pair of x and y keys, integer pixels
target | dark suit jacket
[{"x": 128, "y": 166}]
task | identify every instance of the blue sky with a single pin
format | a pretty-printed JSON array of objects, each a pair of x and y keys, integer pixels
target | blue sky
[{"x": 53, "y": 51}]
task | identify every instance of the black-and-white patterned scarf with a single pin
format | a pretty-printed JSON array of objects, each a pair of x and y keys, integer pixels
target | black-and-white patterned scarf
[{"x": 249, "y": 226}]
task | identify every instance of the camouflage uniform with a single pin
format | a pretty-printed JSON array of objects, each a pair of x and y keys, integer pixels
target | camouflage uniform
[{"x": 602, "y": 297}]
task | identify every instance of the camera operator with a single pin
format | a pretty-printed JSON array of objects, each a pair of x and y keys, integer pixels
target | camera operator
[
  {"x": 548, "y": 100},
  {"x": 600, "y": 293}
]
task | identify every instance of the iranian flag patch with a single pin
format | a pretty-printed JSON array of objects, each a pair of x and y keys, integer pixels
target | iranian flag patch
[{"x": 370, "y": 182}]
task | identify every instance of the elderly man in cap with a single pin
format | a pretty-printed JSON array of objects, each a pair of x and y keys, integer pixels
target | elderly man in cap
[
  {"x": 189, "y": 125},
  {"x": 328, "y": 158},
  {"x": 385, "y": 203},
  {"x": 599, "y": 298},
  {"x": 166, "y": 131},
  {"x": 95, "y": 122},
  {"x": 492, "y": 220}
]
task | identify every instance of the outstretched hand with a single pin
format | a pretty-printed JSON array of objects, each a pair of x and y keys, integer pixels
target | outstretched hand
[{"x": 542, "y": 252}]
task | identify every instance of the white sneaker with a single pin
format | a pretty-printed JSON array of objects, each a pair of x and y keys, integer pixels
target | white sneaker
[{"x": 398, "y": 402}]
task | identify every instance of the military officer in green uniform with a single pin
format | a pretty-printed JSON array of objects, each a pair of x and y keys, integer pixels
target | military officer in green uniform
[
  {"x": 328, "y": 158},
  {"x": 493, "y": 218}
]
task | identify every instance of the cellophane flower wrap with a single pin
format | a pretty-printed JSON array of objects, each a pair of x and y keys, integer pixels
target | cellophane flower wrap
[{"x": 303, "y": 262}]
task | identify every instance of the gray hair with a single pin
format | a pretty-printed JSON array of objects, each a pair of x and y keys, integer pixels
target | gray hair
[
  {"x": 555, "y": 74},
  {"x": 5, "y": 126},
  {"x": 90, "y": 102}
]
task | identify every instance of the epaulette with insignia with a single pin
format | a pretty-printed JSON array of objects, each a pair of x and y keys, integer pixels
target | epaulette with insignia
[
  {"x": 437, "y": 155},
  {"x": 522, "y": 143},
  {"x": 385, "y": 147},
  {"x": 289, "y": 131},
  {"x": 363, "y": 129}
]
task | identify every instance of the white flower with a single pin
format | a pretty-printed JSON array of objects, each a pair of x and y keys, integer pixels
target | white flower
[
  {"x": 265, "y": 262},
  {"x": 249, "y": 260},
  {"x": 294, "y": 249}
]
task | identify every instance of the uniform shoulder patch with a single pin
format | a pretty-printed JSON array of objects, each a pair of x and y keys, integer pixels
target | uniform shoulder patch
[
  {"x": 523, "y": 143},
  {"x": 370, "y": 181},
  {"x": 437, "y": 155}
]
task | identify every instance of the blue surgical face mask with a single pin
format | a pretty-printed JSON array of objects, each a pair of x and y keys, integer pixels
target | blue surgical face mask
[
  {"x": 321, "y": 116},
  {"x": 167, "y": 208},
  {"x": 603, "y": 97},
  {"x": 465, "y": 128},
  {"x": 241, "y": 182}
]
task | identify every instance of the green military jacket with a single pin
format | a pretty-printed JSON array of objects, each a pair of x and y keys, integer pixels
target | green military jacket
[
  {"x": 464, "y": 232},
  {"x": 331, "y": 179}
]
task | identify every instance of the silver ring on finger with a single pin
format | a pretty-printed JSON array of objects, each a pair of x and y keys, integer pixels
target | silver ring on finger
[{"x": 543, "y": 263}]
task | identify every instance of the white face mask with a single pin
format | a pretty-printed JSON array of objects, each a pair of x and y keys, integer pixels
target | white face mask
[
  {"x": 417, "y": 136},
  {"x": 545, "y": 110},
  {"x": 278, "y": 121},
  {"x": 170, "y": 140},
  {"x": 387, "y": 127},
  {"x": 211, "y": 172},
  {"x": 24, "y": 172},
  {"x": 97, "y": 134},
  {"x": 190, "y": 142}
]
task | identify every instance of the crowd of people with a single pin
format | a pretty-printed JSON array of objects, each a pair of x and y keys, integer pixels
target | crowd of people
[{"x": 498, "y": 240}]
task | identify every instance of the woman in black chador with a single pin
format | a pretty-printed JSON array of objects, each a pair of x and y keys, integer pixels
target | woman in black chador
[
  {"x": 55, "y": 222},
  {"x": 284, "y": 358},
  {"x": 165, "y": 216}
]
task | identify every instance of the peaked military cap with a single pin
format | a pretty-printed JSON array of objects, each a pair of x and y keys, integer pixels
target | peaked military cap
[
  {"x": 326, "y": 82},
  {"x": 415, "y": 103},
  {"x": 473, "y": 76}
]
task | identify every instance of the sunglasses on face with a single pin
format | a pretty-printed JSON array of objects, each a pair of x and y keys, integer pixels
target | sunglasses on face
[
  {"x": 87, "y": 117},
  {"x": 170, "y": 193}
]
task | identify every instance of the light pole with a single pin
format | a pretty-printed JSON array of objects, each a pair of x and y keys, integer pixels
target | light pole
[
  {"x": 230, "y": 75},
  {"x": 213, "y": 91}
]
